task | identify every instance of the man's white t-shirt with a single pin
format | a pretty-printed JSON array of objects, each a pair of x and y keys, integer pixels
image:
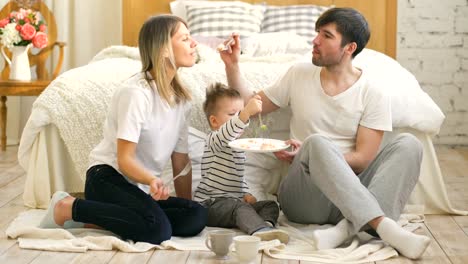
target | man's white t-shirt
[
  {"x": 336, "y": 117},
  {"x": 138, "y": 114}
]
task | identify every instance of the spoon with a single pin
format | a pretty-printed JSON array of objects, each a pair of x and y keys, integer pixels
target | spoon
[
  {"x": 223, "y": 47},
  {"x": 184, "y": 172},
  {"x": 262, "y": 126}
]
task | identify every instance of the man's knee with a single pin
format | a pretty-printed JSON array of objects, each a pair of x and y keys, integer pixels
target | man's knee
[
  {"x": 409, "y": 145},
  {"x": 316, "y": 142}
]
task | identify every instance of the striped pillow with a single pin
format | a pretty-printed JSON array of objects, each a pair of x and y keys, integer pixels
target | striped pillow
[
  {"x": 221, "y": 21},
  {"x": 299, "y": 19}
]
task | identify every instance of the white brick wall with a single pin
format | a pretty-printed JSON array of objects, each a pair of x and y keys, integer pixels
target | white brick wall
[{"x": 432, "y": 43}]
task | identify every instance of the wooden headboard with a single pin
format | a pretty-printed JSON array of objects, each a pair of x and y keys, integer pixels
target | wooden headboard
[{"x": 381, "y": 15}]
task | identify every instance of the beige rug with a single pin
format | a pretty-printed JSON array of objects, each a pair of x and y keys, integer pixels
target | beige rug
[{"x": 359, "y": 250}]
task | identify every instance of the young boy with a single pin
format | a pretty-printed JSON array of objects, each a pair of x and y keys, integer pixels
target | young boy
[{"x": 223, "y": 189}]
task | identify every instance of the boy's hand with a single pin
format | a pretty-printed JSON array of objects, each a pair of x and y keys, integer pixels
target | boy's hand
[
  {"x": 253, "y": 107},
  {"x": 250, "y": 199}
]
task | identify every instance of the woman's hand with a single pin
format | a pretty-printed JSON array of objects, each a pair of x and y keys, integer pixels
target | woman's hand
[
  {"x": 157, "y": 190},
  {"x": 250, "y": 199},
  {"x": 288, "y": 156},
  {"x": 232, "y": 54}
]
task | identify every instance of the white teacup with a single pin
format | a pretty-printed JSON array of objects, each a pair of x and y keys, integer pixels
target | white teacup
[
  {"x": 219, "y": 241},
  {"x": 246, "y": 248}
]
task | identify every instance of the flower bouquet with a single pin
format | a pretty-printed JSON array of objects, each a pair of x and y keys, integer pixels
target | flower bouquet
[{"x": 22, "y": 28}]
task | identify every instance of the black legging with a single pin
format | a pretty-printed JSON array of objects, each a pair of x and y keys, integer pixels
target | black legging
[{"x": 122, "y": 208}]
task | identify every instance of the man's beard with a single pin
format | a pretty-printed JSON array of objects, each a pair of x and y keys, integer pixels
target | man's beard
[
  {"x": 317, "y": 62},
  {"x": 320, "y": 62}
]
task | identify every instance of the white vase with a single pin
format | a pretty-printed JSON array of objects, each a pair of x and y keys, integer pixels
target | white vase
[{"x": 19, "y": 63}]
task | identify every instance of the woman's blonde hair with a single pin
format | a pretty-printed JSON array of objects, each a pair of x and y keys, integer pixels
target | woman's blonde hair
[{"x": 153, "y": 41}]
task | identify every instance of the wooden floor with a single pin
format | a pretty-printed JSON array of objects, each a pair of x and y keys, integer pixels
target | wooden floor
[{"x": 449, "y": 233}]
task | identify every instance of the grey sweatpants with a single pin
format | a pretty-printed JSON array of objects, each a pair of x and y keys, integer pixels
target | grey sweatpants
[
  {"x": 231, "y": 212},
  {"x": 321, "y": 188}
]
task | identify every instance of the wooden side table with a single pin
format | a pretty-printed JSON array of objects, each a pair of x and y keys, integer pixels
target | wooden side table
[{"x": 16, "y": 88}]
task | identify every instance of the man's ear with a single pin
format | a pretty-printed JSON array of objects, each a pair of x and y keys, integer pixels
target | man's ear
[{"x": 351, "y": 47}]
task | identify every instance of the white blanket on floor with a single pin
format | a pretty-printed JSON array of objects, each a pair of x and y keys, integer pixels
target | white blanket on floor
[{"x": 359, "y": 250}]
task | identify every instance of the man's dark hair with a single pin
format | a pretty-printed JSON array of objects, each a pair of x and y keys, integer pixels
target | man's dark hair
[
  {"x": 214, "y": 93},
  {"x": 349, "y": 23}
]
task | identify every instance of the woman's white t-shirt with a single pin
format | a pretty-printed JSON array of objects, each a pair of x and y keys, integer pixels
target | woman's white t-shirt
[
  {"x": 138, "y": 114},
  {"x": 336, "y": 117}
]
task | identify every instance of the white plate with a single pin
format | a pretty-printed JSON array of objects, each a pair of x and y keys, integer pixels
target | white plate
[{"x": 258, "y": 144}]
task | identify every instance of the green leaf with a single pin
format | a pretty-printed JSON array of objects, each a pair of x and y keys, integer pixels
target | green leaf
[{"x": 23, "y": 43}]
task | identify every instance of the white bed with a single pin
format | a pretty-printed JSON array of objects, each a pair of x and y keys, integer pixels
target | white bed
[{"x": 66, "y": 121}]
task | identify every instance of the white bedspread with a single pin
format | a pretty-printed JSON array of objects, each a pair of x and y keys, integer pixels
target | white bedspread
[
  {"x": 360, "y": 249},
  {"x": 76, "y": 102}
]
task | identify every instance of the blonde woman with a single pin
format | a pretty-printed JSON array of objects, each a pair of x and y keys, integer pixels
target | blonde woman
[{"x": 145, "y": 127}]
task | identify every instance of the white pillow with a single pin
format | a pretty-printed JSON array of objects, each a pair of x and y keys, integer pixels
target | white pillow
[
  {"x": 221, "y": 21},
  {"x": 266, "y": 44},
  {"x": 411, "y": 106}
]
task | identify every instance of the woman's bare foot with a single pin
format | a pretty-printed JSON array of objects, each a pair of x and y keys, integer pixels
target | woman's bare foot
[
  {"x": 59, "y": 213},
  {"x": 63, "y": 213},
  {"x": 63, "y": 210}
]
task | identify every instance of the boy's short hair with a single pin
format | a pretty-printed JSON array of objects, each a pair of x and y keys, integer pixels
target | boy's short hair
[{"x": 214, "y": 93}]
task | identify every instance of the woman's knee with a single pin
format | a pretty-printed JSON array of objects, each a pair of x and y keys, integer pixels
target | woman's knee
[
  {"x": 196, "y": 220},
  {"x": 200, "y": 217},
  {"x": 156, "y": 232}
]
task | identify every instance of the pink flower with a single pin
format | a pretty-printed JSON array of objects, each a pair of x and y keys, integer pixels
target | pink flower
[
  {"x": 19, "y": 16},
  {"x": 27, "y": 32},
  {"x": 4, "y": 22},
  {"x": 40, "y": 40},
  {"x": 24, "y": 13},
  {"x": 24, "y": 25}
]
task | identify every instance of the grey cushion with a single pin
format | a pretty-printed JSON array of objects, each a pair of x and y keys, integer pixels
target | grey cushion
[
  {"x": 221, "y": 21},
  {"x": 299, "y": 19}
]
